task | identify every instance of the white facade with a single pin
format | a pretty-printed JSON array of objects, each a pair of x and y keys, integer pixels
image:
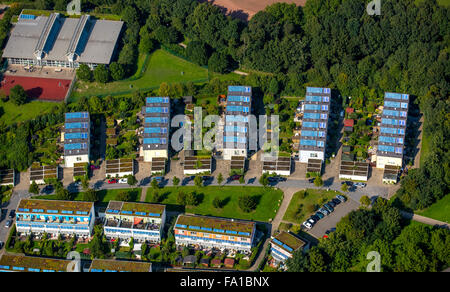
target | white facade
[
  {"x": 228, "y": 153},
  {"x": 353, "y": 177},
  {"x": 150, "y": 154},
  {"x": 309, "y": 154},
  {"x": 69, "y": 161},
  {"x": 386, "y": 160}
]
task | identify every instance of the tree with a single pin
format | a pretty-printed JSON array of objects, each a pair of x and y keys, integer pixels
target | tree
[
  {"x": 218, "y": 63},
  {"x": 63, "y": 194},
  {"x": 156, "y": 197},
  {"x": 90, "y": 195},
  {"x": 101, "y": 74},
  {"x": 365, "y": 200},
  {"x": 247, "y": 203},
  {"x": 181, "y": 198},
  {"x": 198, "y": 181},
  {"x": 131, "y": 180},
  {"x": 192, "y": 199},
  {"x": 274, "y": 86},
  {"x": 34, "y": 188},
  {"x": 241, "y": 179},
  {"x": 123, "y": 196},
  {"x": 146, "y": 45},
  {"x": 17, "y": 95},
  {"x": 176, "y": 181},
  {"x": 84, "y": 73},
  {"x": 155, "y": 184},
  {"x": 220, "y": 178},
  {"x": 318, "y": 182},
  {"x": 197, "y": 52},
  {"x": 344, "y": 187},
  {"x": 117, "y": 71},
  {"x": 264, "y": 179},
  {"x": 217, "y": 203}
]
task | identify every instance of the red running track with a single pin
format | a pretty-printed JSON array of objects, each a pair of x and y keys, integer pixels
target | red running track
[{"x": 38, "y": 88}]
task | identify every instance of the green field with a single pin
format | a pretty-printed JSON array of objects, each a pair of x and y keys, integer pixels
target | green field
[
  {"x": 12, "y": 113},
  {"x": 268, "y": 198},
  {"x": 162, "y": 67},
  {"x": 426, "y": 144},
  {"x": 297, "y": 210},
  {"x": 439, "y": 210},
  {"x": 104, "y": 195}
]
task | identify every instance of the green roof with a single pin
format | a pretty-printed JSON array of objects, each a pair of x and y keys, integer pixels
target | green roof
[
  {"x": 33, "y": 263},
  {"x": 58, "y": 205},
  {"x": 136, "y": 207},
  {"x": 215, "y": 223},
  {"x": 120, "y": 266},
  {"x": 290, "y": 240}
]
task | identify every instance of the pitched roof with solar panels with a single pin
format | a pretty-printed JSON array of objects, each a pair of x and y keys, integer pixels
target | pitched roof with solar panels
[
  {"x": 76, "y": 133},
  {"x": 215, "y": 225},
  {"x": 156, "y": 123},
  {"x": 313, "y": 135},
  {"x": 237, "y": 111},
  {"x": 393, "y": 125}
]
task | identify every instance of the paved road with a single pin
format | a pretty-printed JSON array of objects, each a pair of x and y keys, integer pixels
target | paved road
[{"x": 425, "y": 220}]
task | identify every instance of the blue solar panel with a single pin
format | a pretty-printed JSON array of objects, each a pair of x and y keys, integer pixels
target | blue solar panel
[
  {"x": 235, "y": 129},
  {"x": 78, "y": 115},
  {"x": 386, "y": 139},
  {"x": 310, "y": 124},
  {"x": 234, "y": 88},
  {"x": 27, "y": 16},
  {"x": 393, "y": 95},
  {"x": 386, "y": 148},
  {"x": 314, "y": 89},
  {"x": 314, "y": 98},
  {"x": 155, "y": 130},
  {"x": 391, "y": 113},
  {"x": 235, "y": 118},
  {"x": 236, "y": 108},
  {"x": 237, "y": 98},
  {"x": 308, "y": 142},
  {"x": 156, "y": 120},
  {"x": 76, "y": 125},
  {"x": 157, "y": 100},
  {"x": 154, "y": 141},
  {"x": 390, "y": 103},
  {"x": 313, "y": 116},
  {"x": 309, "y": 133},
  {"x": 157, "y": 110},
  {"x": 234, "y": 139},
  {"x": 75, "y": 136},
  {"x": 314, "y": 107},
  {"x": 75, "y": 146},
  {"x": 219, "y": 230}
]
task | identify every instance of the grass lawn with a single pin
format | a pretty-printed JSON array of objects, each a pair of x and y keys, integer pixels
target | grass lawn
[
  {"x": 438, "y": 211},
  {"x": 162, "y": 67},
  {"x": 297, "y": 211},
  {"x": 267, "y": 207},
  {"x": 12, "y": 113},
  {"x": 426, "y": 144},
  {"x": 104, "y": 195}
]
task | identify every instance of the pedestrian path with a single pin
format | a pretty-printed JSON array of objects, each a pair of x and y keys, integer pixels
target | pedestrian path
[{"x": 425, "y": 220}]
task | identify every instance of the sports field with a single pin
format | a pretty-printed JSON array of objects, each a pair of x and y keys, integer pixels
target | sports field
[
  {"x": 160, "y": 67},
  {"x": 38, "y": 88}
]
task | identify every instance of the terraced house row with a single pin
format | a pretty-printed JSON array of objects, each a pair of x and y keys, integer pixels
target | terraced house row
[{"x": 124, "y": 220}]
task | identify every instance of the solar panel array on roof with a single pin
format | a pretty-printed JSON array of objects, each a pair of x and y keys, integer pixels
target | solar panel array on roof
[
  {"x": 393, "y": 125},
  {"x": 236, "y": 117},
  {"x": 77, "y": 134},
  {"x": 156, "y": 128},
  {"x": 313, "y": 135}
]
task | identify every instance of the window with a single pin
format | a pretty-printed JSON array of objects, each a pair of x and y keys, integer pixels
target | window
[
  {"x": 403, "y": 114},
  {"x": 320, "y": 144},
  {"x": 325, "y": 107},
  {"x": 322, "y": 125},
  {"x": 404, "y": 105},
  {"x": 401, "y": 131},
  {"x": 321, "y": 134},
  {"x": 323, "y": 116},
  {"x": 326, "y": 99},
  {"x": 402, "y": 123},
  {"x": 313, "y": 155}
]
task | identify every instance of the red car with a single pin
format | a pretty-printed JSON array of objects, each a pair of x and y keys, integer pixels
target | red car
[
  {"x": 112, "y": 181},
  {"x": 235, "y": 177}
]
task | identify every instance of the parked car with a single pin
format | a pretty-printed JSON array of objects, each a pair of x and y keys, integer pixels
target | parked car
[
  {"x": 12, "y": 214},
  {"x": 2, "y": 244},
  {"x": 307, "y": 224},
  {"x": 320, "y": 215},
  {"x": 311, "y": 220},
  {"x": 112, "y": 181},
  {"x": 348, "y": 183},
  {"x": 315, "y": 218},
  {"x": 341, "y": 198},
  {"x": 330, "y": 231},
  {"x": 311, "y": 180},
  {"x": 274, "y": 179},
  {"x": 235, "y": 177},
  {"x": 8, "y": 223},
  {"x": 158, "y": 179},
  {"x": 360, "y": 185},
  {"x": 328, "y": 207},
  {"x": 336, "y": 201},
  {"x": 207, "y": 178},
  {"x": 48, "y": 189},
  {"x": 123, "y": 181},
  {"x": 324, "y": 211},
  {"x": 186, "y": 180},
  {"x": 331, "y": 203}
]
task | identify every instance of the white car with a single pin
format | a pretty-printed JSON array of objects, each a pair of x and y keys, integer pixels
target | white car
[
  {"x": 123, "y": 181},
  {"x": 307, "y": 224},
  {"x": 360, "y": 185}
]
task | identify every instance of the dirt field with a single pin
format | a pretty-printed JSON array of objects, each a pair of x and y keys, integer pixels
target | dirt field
[{"x": 245, "y": 9}]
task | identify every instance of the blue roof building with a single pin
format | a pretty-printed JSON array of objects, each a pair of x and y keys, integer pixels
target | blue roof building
[{"x": 76, "y": 138}]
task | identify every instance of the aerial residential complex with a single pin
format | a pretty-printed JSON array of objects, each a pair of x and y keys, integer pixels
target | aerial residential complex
[
  {"x": 76, "y": 138},
  {"x": 236, "y": 131},
  {"x": 392, "y": 130},
  {"x": 313, "y": 137},
  {"x": 55, "y": 217},
  {"x": 212, "y": 232},
  {"x": 156, "y": 128},
  {"x": 143, "y": 222},
  {"x": 58, "y": 41},
  {"x": 284, "y": 245}
]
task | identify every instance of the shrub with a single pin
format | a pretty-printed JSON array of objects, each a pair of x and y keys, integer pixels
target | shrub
[
  {"x": 84, "y": 73},
  {"x": 247, "y": 203},
  {"x": 17, "y": 95}
]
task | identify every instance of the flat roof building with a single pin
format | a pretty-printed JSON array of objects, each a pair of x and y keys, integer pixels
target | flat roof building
[
  {"x": 99, "y": 265},
  {"x": 156, "y": 128},
  {"x": 143, "y": 222},
  {"x": 284, "y": 245},
  {"x": 55, "y": 217},
  {"x": 77, "y": 135},
  {"x": 119, "y": 167},
  {"x": 236, "y": 128},
  {"x": 313, "y": 136},
  {"x": 7, "y": 177},
  {"x": 39, "y": 173},
  {"x": 21, "y": 263},
  {"x": 212, "y": 232},
  {"x": 58, "y": 41},
  {"x": 392, "y": 130}
]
